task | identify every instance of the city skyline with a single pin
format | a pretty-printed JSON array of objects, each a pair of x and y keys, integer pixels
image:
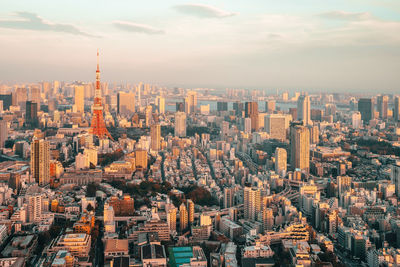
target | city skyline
[{"x": 335, "y": 45}]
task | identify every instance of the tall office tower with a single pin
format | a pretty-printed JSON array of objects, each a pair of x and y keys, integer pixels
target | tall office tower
[
  {"x": 267, "y": 218},
  {"x": 183, "y": 217},
  {"x": 300, "y": 147},
  {"x": 270, "y": 106},
  {"x": 35, "y": 95},
  {"x": 396, "y": 178},
  {"x": 171, "y": 218},
  {"x": 382, "y": 104},
  {"x": 344, "y": 184},
  {"x": 251, "y": 111},
  {"x": 155, "y": 133},
  {"x": 141, "y": 159},
  {"x": 275, "y": 126},
  {"x": 238, "y": 108},
  {"x": 280, "y": 161},
  {"x": 396, "y": 111},
  {"x": 31, "y": 117},
  {"x": 79, "y": 98},
  {"x": 180, "y": 124},
  {"x": 46, "y": 86},
  {"x": 191, "y": 102},
  {"x": 356, "y": 120},
  {"x": 190, "y": 208},
  {"x": 314, "y": 134},
  {"x": 160, "y": 103},
  {"x": 3, "y": 132},
  {"x": 98, "y": 126},
  {"x": 222, "y": 106},
  {"x": 40, "y": 161},
  {"x": 366, "y": 108},
  {"x": 229, "y": 193},
  {"x": 125, "y": 103},
  {"x": 56, "y": 87},
  {"x": 180, "y": 107},
  {"x": 7, "y": 100},
  {"x": 224, "y": 129},
  {"x": 303, "y": 109},
  {"x": 34, "y": 202},
  {"x": 149, "y": 115},
  {"x": 139, "y": 89},
  {"x": 252, "y": 203},
  {"x": 20, "y": 97},
  {"x": 247, "y": 125},
  {"x": 330, "y": 109}
]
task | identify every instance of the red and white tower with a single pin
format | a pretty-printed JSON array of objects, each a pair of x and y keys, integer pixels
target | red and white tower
[{"x": 98, "y": 126}]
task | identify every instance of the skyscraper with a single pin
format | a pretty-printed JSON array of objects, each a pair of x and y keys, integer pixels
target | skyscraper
[
  {"x": 300, "y": 147},
  {"x": 303, "y": 109},
  {"x": 222, "y": 106},
  {"x": 344, "y": 184},
  {"x": 3, "y": 132},
  {"x": 366, "y": 108},
  {"x": 155, "y": 133},
  {"x": 252, "y": 203},
  {"x": 171, "y": 217},
  {"x": 40, "y": 161},
  {"x": 280, "y": 160},
  {"x": 190, "y": 208},
  {"x": 356, "y": 120},
  {"x": 149, "y": 115},
  {"x": 31, "y": 118},
  {"x": 160, "y": 102},
  {"x": 228, "y": 197},
  {"x": 79, "y": 98},
  {"x": 20, "y": 97},
  {"x": 396, "y": 178},
  {"x": 180, "y": 124},
  {"x": 238, "y": 108},
  {"x": 396, "y": 112},
  {"x": 183, "y": 217},
  {"x": 268, "y": 218},
  {"x": 125, "y": 103},
  {"x": 35, "y": 95},
  {"x": 382, "y": 104},
  {"x": 275, "y": 126},
  {"x": 191, "y": 102},
  {"x": 34, "y": 202},
  {"x": 270, "y": 106},
  {"x": 251, "y": 111}
]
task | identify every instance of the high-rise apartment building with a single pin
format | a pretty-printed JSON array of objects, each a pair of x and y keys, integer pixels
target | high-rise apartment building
[
  {"x": 171, "y": 216},
  {"x": 190, "y": 208},
  {"x": 34, "y": 202},
  {"x": 40, "y": 161},
  {"x": 251, "y": 111},
  {"x": 396, "y": 178},
  {"x": 141, "y": 159},
  {"x": 155, "y": 134},
  {"x": 79, "y": 98},
  {"x": 382, "y": 103},
  {"x": 344, "y": 184},
  {"x": 300, "y": 147},
  {"x": 366, "y": 108},
  {"x": 228, "y": 197},
  {"x": 149, "y": 115},
  {"x": 280, "y": 160},
  {"x": 183, "y": 217},
  {"x": 356, "y": 120},
  {"x": 180, "y": 124},
  {"x": 303, "y": 109},
  {"x": 268, "y": 218},
  {"x": 252, "y": 203}
]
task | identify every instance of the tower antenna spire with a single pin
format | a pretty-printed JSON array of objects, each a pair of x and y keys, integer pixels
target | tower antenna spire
[{"x": 98, "y": 68}]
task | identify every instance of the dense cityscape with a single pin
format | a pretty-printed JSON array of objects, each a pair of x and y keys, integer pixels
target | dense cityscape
[{"x": 101, "y": 174}]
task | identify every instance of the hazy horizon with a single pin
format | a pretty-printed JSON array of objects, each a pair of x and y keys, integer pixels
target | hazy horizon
[{"x": 309, "y": 46}]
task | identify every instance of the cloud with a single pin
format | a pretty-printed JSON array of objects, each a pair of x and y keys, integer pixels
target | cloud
[
  {"x": 135, "y": 27},
  {"x": 203, "y": 11},
  {"x": 348, "y": 16},
  {"x": 31, "y": 21}
]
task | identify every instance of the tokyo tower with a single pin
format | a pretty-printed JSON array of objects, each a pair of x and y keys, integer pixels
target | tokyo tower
[{"x": 98, "y": 126}]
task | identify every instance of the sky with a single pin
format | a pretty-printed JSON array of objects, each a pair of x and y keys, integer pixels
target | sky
[{"x": 339, "y": 45}]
